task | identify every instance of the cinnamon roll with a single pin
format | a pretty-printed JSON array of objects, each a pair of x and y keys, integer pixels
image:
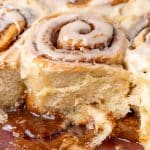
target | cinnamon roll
[
  {"x": 75, "y": 60},
  {"x": 14, "y": 20},
  {"x": 12, "y": 24},
  {"x": 137, "y": 61}
]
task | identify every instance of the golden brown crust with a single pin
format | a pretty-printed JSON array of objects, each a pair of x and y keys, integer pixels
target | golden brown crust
[
  {"x": 12, "y": 23},
  {"x": 10, "y": 34}
]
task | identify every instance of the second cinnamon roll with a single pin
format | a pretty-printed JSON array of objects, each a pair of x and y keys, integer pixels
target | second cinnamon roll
[
  {"x": 15, "y": 18},
  {"x": 138, "y": 62}
]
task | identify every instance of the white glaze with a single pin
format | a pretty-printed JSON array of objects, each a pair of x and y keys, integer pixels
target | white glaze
[
  {"x": 8, "y": 17},
  {"x": 43, "y": 43},
  {"x": 30, "y": 9},
  {"x": 138, "y": 59},
  {"x": 102, "y": 32},
  {"x": 135, "y": 16}
]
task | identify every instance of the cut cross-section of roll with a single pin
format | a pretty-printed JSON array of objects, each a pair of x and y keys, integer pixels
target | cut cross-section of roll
[{"x": 75, "y": 60}]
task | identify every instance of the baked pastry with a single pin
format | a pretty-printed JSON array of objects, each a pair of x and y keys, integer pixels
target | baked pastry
[
  {"x": 14, "y": 20},
  {"x": 12, "y": 24},
  {"x": 137, "y": 61},
  {"x": 75, "y": 60}
]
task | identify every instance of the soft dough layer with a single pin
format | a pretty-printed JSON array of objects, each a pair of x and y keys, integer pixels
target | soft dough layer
[
  {"x": 11, "y": 87},
  {"x": 63, "y": 86}
]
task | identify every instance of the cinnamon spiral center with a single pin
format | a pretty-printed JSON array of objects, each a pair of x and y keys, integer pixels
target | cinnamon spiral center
[
  {"x": 80, "y": 34},
  {"x": 76, "y": 38}
]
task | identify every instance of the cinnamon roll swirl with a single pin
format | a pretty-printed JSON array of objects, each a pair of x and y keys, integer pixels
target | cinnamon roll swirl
[
  {"x": 74, "y": 38},
  {"x": 66, "y": 64}
]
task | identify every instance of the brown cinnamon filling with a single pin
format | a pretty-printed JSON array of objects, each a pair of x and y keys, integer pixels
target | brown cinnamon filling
[
  {"x": 79, "y": 3},
  {"x": 116, "y": 2}
]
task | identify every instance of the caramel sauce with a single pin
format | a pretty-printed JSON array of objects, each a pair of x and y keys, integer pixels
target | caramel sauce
[
  {"x": 28, "y": 131},
  {"x": 127, "y": 128}
]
